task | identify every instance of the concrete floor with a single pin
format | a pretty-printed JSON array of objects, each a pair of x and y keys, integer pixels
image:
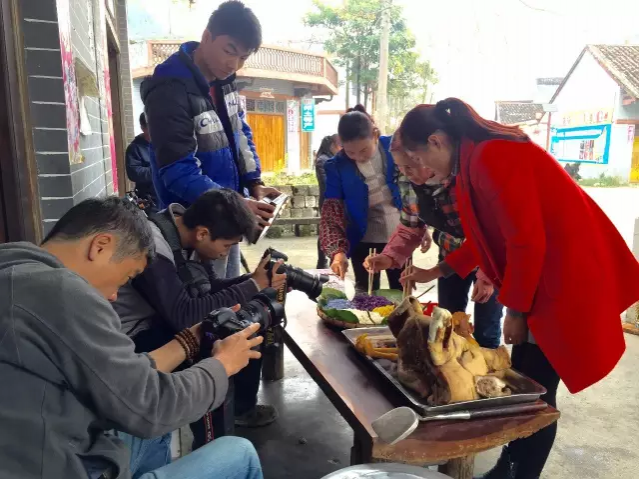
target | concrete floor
[{"x": 597, "y": 432}]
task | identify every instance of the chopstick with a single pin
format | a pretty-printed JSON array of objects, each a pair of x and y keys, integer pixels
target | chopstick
[
  {"x": 427, "y": 291},
  {"x": 408, "y": 285},
  {"x": 372, "y": 252}
]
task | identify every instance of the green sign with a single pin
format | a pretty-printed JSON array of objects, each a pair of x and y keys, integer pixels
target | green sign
[{"x": 308, "y": 114}]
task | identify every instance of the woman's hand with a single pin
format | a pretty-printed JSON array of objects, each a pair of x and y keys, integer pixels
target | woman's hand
[
  {"x": 482, "y": 291},
  {"x": 515, "y": 329},
  {"x": 419, "y": 275},
  {"x": 380, "y": 262},
  {"x": 339, "y": 265},
  {"x": 427, "y": 242}
]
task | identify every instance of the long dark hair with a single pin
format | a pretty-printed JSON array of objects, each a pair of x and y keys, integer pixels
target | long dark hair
[
  {"x": 356, "y": 124},
  {"x": 325, "y": 146},
  {"x": 457, "y": 119}
]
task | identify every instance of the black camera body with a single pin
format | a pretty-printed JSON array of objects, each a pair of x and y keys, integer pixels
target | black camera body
[
  {"x": 222, "y": 323},
  {"x": 296, "y": 278}
]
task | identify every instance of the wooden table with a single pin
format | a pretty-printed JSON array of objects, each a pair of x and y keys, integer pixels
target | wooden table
[{"x": 361, "y": 396}]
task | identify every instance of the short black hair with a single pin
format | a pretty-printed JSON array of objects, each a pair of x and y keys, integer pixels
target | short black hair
[
  {"x": 356, "y": 124},
  {"x": 117, "y": 216},
  {"x": 236, "y": 20},
  {"x": 143, "y": 122},
  {"x": 223, "y": 212}
]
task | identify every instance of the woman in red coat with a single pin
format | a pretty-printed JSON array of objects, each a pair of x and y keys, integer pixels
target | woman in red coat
[{"x": 561, "y": 267}]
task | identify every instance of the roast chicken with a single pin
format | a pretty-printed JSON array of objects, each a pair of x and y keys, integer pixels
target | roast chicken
[{"x": 438, "y": 357}]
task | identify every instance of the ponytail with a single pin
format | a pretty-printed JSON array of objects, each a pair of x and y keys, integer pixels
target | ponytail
[
  {"x": 455, "y": 118},
  {"x": 356, "y": 124}
]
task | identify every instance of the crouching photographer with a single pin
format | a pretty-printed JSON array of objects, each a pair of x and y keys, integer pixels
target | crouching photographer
[
  {"x": 74, "y": 375},
  {"x": 180, "y": 288}
]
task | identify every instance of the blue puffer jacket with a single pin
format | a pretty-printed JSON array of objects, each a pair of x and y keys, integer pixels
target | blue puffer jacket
[
  {"x": 198, "y": 143},
  {"x": 345, "y": 182}
]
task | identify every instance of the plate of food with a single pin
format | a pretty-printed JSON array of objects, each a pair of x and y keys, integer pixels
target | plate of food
[
  {"x": 363, "y": 311},
  {"x": 437, "y": 365}
]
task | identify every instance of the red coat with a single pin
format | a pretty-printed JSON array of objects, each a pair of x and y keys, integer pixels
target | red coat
[{"x": 550, "y": 251}]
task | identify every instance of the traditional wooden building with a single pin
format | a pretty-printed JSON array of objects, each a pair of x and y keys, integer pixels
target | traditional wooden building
[{"x": 279, "y": 86}]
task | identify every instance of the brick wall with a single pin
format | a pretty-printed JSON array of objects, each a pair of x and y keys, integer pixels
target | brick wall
[
  {"x": 61, "y": 184},
  {"x": 125, "y": 70},
  {"x": 301, "y": 216},
  {"x": 47, "y": 108},
  {"x": 92, "y": 177}
]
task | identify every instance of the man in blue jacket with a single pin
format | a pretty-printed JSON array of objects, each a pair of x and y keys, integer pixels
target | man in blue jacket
[{"x": 201, "y": 140}]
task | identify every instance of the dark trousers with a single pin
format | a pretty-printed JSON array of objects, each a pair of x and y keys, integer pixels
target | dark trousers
[
  {"x": 322, "y": 260},
  {"x": 453, "y": 296},
  {"x": 532, "y": 452},
  {"x": 358, "y": 255}
]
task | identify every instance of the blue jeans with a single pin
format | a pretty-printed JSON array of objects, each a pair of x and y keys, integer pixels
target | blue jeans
[
  {"x": 453, "y": 296},
  {"x": 225, "y": 458},
  {"x": 229, "y": 267}
]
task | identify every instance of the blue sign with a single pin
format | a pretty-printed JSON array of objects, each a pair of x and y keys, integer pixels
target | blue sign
[
  {"x": 581, "y": 144},
  {"x": 308, "y": 114}
]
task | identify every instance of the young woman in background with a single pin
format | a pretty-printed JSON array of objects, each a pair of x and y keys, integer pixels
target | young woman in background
[
  {"x": 525, "y": 221},
  {"x": 328, "y": 149},
  {"x": 362, "y": 199}
]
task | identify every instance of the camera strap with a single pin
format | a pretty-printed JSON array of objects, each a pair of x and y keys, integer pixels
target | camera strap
[{"x": 192, "y": 273}]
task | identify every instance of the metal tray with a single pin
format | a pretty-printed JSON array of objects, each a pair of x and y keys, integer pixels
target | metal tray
[{"x": 524, "y": 389}]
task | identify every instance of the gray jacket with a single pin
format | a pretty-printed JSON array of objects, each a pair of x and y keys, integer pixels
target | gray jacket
[{"x": 69, "y": 375}]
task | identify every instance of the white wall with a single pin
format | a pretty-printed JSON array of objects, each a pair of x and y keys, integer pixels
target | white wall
[
  {"x": 138, "y": 106},
  {"x": 324, "y": 125},
  {"x": 591, "y": 88}
]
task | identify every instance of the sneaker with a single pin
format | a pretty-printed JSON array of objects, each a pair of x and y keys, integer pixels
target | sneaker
[{"x": 261, "y": 416}]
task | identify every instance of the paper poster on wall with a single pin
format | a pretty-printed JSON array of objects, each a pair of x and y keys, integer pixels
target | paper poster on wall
[
  {"x": 293, "y": 116},
  {"x": 581, "y": 144},
  {"x": 70, "y": 86}
]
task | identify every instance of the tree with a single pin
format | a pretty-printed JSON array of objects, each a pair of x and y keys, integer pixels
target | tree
[{"x": 352, "y": 34}]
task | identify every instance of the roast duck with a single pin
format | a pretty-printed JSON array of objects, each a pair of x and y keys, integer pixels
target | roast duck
[{"x": 439, "y": 358}]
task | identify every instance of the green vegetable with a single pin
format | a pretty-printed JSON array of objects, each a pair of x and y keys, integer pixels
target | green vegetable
[
  {"x": 330, "y": 293},
  {"x": 342, "y": 315},
  {"x": 390, "y": 294}
]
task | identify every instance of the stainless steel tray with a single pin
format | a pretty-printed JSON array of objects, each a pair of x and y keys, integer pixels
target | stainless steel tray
[{"x": 524, "y": 389}]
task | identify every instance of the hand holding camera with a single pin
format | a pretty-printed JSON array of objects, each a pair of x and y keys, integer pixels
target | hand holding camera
[
  {"x": 261, "y": 274},
  {"x": 235, "y": 351}
]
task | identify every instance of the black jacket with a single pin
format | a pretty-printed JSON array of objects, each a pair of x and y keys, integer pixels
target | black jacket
[{"x": 138, "y": 166}]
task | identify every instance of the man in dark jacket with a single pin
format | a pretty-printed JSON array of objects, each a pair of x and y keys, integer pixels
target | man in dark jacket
[
  {"x": 201, "y": 140},
  {"x": 180, "y": 288},
  {"x": 71, "y": 375},
  {"x": 138, "y": 163}
]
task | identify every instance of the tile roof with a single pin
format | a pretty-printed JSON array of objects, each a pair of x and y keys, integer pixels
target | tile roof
[
  {"x": 516, "y": 112},
  {"x": 622, "y": 64}
]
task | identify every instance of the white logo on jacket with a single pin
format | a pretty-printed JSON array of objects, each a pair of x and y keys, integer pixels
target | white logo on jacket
[{"x": 207, "y": 123}]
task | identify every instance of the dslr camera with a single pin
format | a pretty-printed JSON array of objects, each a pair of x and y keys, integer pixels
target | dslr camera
[
  {"x": 263, "y": 309},
  {"x": 296, "y": 278}
]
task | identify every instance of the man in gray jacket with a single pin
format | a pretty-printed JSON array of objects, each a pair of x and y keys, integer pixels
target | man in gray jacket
[{"x": 71, "y": 375}]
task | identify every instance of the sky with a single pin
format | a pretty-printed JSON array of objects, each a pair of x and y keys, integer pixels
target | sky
[{"x": 482, "y": 50}]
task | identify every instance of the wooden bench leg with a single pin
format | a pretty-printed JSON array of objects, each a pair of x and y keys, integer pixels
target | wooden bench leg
[{"x": 460, "y": 468}]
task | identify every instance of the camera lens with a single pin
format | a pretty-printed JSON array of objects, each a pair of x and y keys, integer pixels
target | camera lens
[
  {"x": 263, "y": 309},
  {"x": 302, "y": 281}
]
